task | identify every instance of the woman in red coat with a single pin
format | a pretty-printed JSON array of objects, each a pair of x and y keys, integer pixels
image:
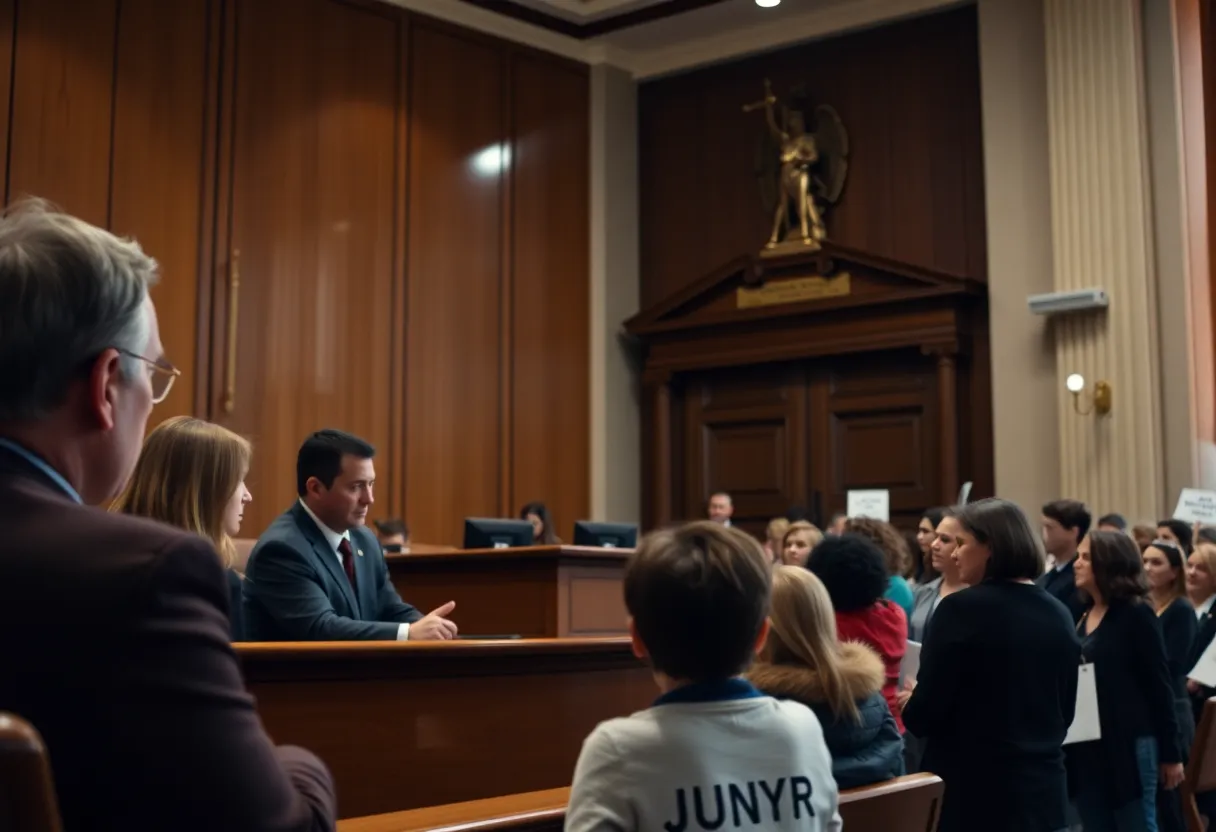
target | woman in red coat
[{"x": 854, "y": 571}]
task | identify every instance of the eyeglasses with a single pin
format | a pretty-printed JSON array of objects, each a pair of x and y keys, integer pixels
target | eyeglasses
[{"x": 161, "y": 373}]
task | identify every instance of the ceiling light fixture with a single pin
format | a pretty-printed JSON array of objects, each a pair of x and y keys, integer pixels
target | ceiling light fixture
[{"x": 767, "y": 4}]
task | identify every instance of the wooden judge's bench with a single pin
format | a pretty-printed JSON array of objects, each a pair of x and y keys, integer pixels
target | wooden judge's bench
[{"x": 532, "y": 592}]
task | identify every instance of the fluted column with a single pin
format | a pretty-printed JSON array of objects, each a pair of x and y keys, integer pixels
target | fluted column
[{"x": 1100, "y": 201}]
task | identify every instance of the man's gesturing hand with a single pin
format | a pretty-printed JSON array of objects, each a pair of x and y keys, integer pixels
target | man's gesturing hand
[{"x": 433, "y": 626}]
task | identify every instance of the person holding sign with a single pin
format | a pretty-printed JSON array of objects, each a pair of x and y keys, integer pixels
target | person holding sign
[
  {"x": 997, "y": 685},
  {"x": 1116, "y": 776}
]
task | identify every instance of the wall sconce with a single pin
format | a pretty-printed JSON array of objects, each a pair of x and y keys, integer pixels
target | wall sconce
[{"x": 1100, "y": 402}]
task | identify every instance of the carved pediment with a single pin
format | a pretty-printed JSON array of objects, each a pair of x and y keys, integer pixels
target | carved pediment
[{"x": 752, "y": 288}]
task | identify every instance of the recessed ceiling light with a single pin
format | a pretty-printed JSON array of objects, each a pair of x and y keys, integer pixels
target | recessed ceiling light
[{"x": 767, "y": 4}]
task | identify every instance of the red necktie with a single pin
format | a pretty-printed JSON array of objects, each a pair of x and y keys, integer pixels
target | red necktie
[{"x": 348, "y": 561}]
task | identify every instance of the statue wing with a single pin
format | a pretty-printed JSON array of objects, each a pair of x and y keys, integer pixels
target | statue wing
[
  {"x": 832, "y": 141},
  {"x": 767, "y": 167}
]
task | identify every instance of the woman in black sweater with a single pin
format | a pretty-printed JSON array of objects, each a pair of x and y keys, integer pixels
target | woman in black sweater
[
  {"x": 998, "y": 682},
  {"x": 1165, "y": 569},
  {"x": 1116, "y": 777}
]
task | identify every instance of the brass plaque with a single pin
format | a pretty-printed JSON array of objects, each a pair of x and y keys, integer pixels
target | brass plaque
[{"x": 795, "y": 290}]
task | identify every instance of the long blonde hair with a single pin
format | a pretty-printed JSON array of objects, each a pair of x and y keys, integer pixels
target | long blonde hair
[
  {"x": 187, "y": 472},
  {"x": 803, "y": 632}
]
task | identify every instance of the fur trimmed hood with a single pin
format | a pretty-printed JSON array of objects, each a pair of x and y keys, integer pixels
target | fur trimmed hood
[{"x": 861, "y": 669}]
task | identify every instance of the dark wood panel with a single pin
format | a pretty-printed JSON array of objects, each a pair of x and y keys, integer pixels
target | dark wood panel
[
  {"x": 8, "y": 30},
  {"x": 156, "y": 189},
  {"x": 550, "y": 224},
  {"x": 374, "y": 711},
  {"x": 745, "y": 434},
  {"x": 312, "y": 198},
  {"x": 909, "y": 95},
  {"x": 458, "y": 138},
  {"x": 63, "y": 84}
]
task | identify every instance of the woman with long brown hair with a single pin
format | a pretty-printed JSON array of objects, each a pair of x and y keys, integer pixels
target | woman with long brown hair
[
  {"x": 1116, "y": 777},
  {"x": 803, "y": 660},
  {"x": 1165, "y": 571},
  {"x": 191, "y": 474}
]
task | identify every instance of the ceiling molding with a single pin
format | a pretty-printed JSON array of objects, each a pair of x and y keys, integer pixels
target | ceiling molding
[
  {"x": 581, "y": 20},
  {"x": 737, "y": 43},
  {"x": 491, "y": 23}
]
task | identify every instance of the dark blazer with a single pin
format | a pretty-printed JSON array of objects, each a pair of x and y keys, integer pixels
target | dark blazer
[
  {"x": 1205, "y": 632},
  {"x": 114, "y": 634},
  {"x": 995, "y": 694},
  {"x": 295, "y": 589},
  {"x": 1178, "y": 626},
  {"x": 236, "y": 608},
  {"x": 1061, "y": 584},
  {"x": 1135, "y": 699}
]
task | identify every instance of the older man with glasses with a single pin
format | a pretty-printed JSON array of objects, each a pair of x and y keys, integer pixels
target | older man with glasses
[{"x": 114, "y": 630}]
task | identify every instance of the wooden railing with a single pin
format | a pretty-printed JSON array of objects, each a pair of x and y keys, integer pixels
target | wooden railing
[{"x": 905, "y": 804}]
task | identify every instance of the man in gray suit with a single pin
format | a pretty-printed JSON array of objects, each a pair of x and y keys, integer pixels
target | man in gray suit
[{"x": 318, "y": 574}]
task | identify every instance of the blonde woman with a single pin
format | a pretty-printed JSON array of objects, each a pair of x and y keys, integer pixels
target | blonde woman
[
  {"x": 841, "y": 682},
  {"x": 191, "y": 474},
  {"x": 799, "y": 539},
  {"x": 774, "y": 538}
]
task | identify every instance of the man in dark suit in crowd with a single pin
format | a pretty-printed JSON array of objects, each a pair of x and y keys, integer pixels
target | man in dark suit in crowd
[
  {"x": 1065, "y": 524},
  {"x": 114, "y": 629},
  {"x": 318, "y": 574}
]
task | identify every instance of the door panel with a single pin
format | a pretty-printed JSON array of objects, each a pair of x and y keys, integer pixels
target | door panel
[{"x": 308, "y": 278}]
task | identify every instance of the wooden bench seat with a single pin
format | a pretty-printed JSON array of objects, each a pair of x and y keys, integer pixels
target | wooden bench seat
[{"x": 905, "y": 804}]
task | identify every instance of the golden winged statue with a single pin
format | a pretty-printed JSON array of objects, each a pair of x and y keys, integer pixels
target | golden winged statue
[{"x": 799, "y": 167}]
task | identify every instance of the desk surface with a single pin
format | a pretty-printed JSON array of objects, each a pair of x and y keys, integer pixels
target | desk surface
[
  {"x": 407, "y": 725},
  {"x": 514, "y": 553}
]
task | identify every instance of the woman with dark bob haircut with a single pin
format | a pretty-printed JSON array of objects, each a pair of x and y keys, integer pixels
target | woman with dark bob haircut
[
  {"x": 1116, "y": 777},
  {"x": 854, "y": 572},
  {"x": 997, "y": 685}
]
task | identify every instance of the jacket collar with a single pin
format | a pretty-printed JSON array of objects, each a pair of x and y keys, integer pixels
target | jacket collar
[
  {"x": 861, "y": 672},
  {"x": 718, "y": 690}
]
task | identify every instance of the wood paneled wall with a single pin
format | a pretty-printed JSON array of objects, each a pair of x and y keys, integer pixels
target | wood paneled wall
[
  {"x": 366, "y": 220},
  {"x": 909, "y": 95}
]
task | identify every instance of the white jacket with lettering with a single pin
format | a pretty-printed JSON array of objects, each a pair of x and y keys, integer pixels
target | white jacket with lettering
[{"x": 736, "y": 762}]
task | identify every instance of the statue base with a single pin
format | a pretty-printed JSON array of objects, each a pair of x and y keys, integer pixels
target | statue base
[{"x": 787, "y": 247}]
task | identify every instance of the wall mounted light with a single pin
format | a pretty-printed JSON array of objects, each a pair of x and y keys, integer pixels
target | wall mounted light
[
  {"x": 767, "y": 4},
  {"x": 1100, "y": 401}
]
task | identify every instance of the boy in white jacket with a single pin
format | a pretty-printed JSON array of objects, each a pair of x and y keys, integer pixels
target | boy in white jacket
[{"x": 713, "y": 752}]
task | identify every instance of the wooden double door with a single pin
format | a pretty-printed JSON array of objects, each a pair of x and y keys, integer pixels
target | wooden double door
[{"x": 804, "y": 433}]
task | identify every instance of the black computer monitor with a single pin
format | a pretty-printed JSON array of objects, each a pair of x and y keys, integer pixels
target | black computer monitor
[
  {"x": 605, "y": 535},
  {"x": 490, "y": 533}
]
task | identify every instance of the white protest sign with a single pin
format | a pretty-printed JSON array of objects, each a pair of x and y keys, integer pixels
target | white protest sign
[
  {"x": 1204, "y": 671},
  {"x": 874, "y": 503},
  {"x": 1196, "y": 505},
  {"x": 1085, "y": 725},
  {"x": 909, "y": 667}
]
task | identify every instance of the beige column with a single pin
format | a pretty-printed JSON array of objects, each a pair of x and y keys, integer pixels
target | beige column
[
  {"x": 1017, "y": 188},
  {"x": 615, "y": 387},
  {"x": 1101, "y": 200}
]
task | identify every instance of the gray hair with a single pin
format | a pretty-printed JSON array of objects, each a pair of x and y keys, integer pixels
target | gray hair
[{"x": 68, "y": 292}]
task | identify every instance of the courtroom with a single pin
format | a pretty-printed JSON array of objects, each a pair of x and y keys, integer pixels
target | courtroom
[{"x": 608, "y": 415}]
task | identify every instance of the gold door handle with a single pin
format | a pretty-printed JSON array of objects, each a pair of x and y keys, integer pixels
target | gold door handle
[{"x": 234, "y": 318}]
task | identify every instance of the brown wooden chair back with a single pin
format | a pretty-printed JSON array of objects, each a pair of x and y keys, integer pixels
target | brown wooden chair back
[
  {"x": 905, "y": 804},
  {"x": 912, "y": 803},
  {"x": 1200, "y": 767},
  {"x": 27, "y": 790}
]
